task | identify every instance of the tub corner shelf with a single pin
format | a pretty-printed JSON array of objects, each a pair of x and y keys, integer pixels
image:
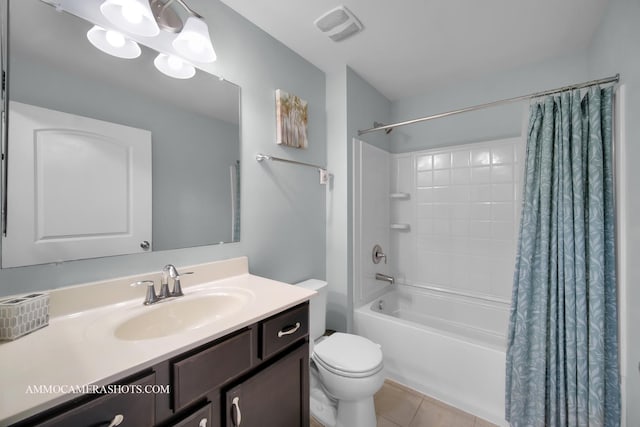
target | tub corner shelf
[
  {"x": 400, "y": 196},
  {"x": 403, "y": 227}
]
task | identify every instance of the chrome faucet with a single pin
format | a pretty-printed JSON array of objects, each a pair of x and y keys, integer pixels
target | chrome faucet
[
  {"x": 385, "y": 278},
  {"x": 168, "y": 272}
]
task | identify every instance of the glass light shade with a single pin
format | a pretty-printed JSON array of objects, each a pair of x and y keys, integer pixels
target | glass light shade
[
  {"x": 194, "y": 42},
  {"x": 133, "y": 16},
  {"x": 113, "y": 43},
  {"x": 173, "y": 66}
]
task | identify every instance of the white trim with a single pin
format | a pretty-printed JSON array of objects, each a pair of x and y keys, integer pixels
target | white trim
[{"x": 357, "y": 218}]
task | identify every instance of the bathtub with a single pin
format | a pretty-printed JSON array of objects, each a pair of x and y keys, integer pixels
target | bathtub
[{"x": 447, "y": 346}]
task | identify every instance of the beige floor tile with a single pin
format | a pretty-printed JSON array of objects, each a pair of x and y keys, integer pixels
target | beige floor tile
[
  {"x": 483, "y": 423},
  {"x": 383, "y": 422},
  {"x": 396, "y": 405},
  {"x": 430, "y": 414},
  {"x": 404, "y": 388},
  {"x": 400, "y": 406}
]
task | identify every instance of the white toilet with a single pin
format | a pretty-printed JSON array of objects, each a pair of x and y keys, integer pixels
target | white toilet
[{"x": 346, "y": 370}]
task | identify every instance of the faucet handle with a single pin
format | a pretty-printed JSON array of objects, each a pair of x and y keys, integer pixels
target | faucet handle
[
  {"x": 151, "y": 296},
  {"x": 177, "y": 288},
  {"x": 377, "y": 255}
]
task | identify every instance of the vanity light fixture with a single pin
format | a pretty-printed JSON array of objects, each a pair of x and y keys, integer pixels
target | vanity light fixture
[
  {"x": 113, "y": 43},
  {"x": 182, "y": 34},
  {"x": 194, "y": 42},
  {"x": 174, "y": 66},
  {"x": 132, "y": 16}
]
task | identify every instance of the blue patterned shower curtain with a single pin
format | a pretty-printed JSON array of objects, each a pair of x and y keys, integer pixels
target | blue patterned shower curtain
[{"x": 562, "y": 354}]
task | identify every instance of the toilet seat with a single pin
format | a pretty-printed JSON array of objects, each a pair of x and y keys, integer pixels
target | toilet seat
[{"x": 348, "y": 355}]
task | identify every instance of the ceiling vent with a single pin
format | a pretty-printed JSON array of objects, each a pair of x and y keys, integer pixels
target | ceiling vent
[{"x": 339, "y": 23}]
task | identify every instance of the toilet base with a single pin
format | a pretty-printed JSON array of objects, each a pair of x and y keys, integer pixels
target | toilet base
[
  {"x": 322, "y": 409},
  {"x": 359, "y": 413},
  {"x": 356, "y": 413}
]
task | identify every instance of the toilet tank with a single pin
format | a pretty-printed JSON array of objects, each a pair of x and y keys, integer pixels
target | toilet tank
[{"x": 317, "y": 307}]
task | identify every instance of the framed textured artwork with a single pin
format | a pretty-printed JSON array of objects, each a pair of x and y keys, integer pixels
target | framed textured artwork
[{"x": 291, "y": 120}]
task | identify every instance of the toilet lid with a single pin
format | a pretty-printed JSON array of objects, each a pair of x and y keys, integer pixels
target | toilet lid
[{"x": 348, "y": 354}]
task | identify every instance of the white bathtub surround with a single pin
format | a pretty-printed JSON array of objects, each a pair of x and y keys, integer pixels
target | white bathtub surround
[
  {"x": 482, "y": 323},
  {"x": 463, "y": 213},
  {"x": 440, "y": 356},
  {"x": 371, "y": 194},
  {"x": 447, "y": 316},
  {"x": 79, "y": 347}
]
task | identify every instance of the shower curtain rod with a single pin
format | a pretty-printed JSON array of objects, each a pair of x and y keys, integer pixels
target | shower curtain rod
[{"x": 612, "y": 79}]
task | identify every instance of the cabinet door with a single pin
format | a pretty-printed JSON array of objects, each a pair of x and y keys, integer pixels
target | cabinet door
[
  {"x": 277, "y": 396},
  {"x": 200, "y": 418}
]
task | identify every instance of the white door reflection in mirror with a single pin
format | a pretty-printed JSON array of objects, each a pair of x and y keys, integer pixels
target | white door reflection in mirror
[{"x": 77, "y": 187}]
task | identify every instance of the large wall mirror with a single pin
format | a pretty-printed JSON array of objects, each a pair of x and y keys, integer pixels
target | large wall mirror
[{"x": 187, "y": 172}]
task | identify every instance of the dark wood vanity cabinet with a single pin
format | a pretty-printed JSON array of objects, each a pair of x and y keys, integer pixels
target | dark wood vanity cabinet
[
  {"x": 257, "y": 376},
  {"x": 276, "y": 396}
]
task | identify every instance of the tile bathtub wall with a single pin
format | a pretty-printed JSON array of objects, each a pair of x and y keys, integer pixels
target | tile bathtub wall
[{"x": 463, "y": 213}]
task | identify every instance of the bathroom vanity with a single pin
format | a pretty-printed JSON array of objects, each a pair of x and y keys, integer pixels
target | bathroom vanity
[{"x": 244, "y": 368}]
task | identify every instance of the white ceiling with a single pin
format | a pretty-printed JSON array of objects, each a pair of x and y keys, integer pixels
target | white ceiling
[{"x": 411, "y": 46}]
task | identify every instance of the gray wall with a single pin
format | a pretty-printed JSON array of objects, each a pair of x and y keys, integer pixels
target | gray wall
[
  {"x": 338, "y": 262},
  {"x": 283, "y": 206},
  {"x": 191, "y": 153},
  {"x": 492, "y": 123},
  {"x": 615, "y": 50}
]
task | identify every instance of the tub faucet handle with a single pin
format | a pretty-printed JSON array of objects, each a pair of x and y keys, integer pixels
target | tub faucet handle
[{"x": 378, "y": 255}]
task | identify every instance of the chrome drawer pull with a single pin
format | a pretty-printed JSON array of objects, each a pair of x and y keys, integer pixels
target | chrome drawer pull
[
  {"x": 236, "y": 405},
  {"x": 116, "y": 421},
  {"x": 290, "y": 331}
]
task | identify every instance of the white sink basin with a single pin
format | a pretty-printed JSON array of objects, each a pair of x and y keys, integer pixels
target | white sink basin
[{"x": 179, "y": 315}]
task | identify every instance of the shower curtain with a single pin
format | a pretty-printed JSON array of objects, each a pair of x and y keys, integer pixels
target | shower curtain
[{"x": 562, "y": 354}]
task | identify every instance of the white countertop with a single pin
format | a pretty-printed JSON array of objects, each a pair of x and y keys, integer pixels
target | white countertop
[{"x": 78, "y": 347}]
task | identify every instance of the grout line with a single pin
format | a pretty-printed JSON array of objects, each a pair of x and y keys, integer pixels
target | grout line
[
  {"x": 416, "y": 413},
  {"x": 425, "y": 398}
]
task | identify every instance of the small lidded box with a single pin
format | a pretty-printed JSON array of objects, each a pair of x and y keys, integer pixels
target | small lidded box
[{"x": 22, "y": 315}]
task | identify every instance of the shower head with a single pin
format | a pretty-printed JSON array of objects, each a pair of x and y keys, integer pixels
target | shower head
[{"x": 378, "y": 124}]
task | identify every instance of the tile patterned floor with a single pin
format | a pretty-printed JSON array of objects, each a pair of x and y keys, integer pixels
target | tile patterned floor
[{"x": 399, "y": 406}]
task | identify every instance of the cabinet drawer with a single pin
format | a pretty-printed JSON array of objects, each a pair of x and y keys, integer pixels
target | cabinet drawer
[
  {"x": 202, "y": 372},
  {"x": 284, "y": 329},
  {"x": 137, "y": 409}
]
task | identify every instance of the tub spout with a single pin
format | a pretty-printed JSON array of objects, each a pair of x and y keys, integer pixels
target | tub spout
[{"x": 385, "y": 278}]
